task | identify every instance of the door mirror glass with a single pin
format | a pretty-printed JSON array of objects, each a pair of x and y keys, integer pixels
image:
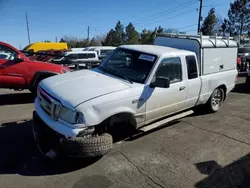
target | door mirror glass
[{"x": 160, "y": 81}]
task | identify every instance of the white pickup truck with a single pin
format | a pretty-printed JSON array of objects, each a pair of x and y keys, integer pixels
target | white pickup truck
[{"x": 140, "y": 86}]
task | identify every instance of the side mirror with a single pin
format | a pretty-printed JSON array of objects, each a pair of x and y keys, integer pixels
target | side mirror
[
  {"x": 162, "y": 82},
  {"x": 19, "y": 58}
]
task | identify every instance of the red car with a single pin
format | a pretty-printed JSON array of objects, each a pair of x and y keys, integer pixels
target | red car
[{"x": 19, "y": 72}]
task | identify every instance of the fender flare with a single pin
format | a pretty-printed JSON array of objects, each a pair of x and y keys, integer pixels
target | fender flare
[
  {"x": 41, "y": 74},
  {"x": 95, "y": 117}
]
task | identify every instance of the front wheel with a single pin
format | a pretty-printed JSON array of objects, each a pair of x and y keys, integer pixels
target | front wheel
[{"x": 216, "y": 100}]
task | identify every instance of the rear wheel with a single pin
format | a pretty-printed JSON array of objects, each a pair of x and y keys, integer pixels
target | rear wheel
[{"x": 216, "y": 100}]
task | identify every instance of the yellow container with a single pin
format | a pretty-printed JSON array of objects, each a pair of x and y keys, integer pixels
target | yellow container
[{"x": 40, "y": 46}]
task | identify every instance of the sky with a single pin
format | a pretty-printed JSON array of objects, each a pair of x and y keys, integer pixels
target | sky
[{"x": 51, "y": 19}]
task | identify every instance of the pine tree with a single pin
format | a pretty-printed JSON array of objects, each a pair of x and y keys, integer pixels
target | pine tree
[
  {"x": 239, "y": 16},
  {"x": 147, "y": 36},
  {"x": 159, "y": 29},
  {"x": 62, "y": 40},
  {"x": 95, "y": 42},
  {"x": 115, "y": 37},
  {"x": 226, "y": 28},
  {"x": 132, "y": 36},
  {"x": 119, "y": 34},
  {"x": 109, "y": 40},
  {"x": 209, "y": 23}
]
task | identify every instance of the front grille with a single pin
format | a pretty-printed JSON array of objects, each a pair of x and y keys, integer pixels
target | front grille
[{"x": 47, "y": 102}]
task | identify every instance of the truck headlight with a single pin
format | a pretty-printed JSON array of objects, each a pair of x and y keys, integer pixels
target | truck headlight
[{"x": 71, "y": 116}]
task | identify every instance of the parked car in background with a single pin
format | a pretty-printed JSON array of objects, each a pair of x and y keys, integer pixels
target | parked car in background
[
  {"x": 133, "y": 88},
  {"x": 87, "y": 48},
  {"x": 82, "y": 58},
  {"x": 102, "y": 51},
  {"x": 18, "y": 72},
  {"x": 45, "y": 46},
  {"x": 76, "y": 49},
  {"x": 244, "y": 55},
  {"x": 46, "y": 55}
]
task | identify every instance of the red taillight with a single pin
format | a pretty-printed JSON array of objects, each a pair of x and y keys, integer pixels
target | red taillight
[{"x": 239, "y": 60}]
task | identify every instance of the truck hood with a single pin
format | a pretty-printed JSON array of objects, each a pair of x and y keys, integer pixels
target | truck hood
[{"x": 77, "y": 87}]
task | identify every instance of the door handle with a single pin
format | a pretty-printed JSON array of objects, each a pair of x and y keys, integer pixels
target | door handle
[
  {"x": 221, "y": 67},
  {"x": 182, "y": 88}
]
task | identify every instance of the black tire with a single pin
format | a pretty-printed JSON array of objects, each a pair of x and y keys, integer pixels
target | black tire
[
  {"x": 89, "y": 146},
  {"x": 216, "y": 100},
  {"x": 248, "y": 81},
  {"x": 33, "y": 90}
]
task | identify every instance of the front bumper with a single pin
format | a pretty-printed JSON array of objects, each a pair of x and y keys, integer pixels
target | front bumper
[
  {"x": 67, "y": 131},
  {"x": 45, "y": 137},
  {"x": 87, "y": 146}
]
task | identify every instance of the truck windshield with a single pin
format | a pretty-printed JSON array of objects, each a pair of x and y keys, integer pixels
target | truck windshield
[{"x": 130, "y": 64}]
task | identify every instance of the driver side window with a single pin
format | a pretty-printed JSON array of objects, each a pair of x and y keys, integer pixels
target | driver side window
[
  {"x": 170, "y": 68},
  {"x": 7, "y": 53}
]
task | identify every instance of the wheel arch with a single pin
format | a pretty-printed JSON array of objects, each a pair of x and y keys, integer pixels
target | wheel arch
[
  {"x": 121, "y": 116},
  {"x": 40, "y": 74},
  {"x": 224, "y": 87}
]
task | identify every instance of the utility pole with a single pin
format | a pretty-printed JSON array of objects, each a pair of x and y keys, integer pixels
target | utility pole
[
  {"x": 199, "y": 18},
  {"x": 56, "y": 38},
  {"x": 28, "y": 29},
  {"x": 88, "y": 33}
]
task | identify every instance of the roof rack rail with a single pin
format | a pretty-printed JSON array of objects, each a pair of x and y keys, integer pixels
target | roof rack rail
[{"x": 193, "y": 36}]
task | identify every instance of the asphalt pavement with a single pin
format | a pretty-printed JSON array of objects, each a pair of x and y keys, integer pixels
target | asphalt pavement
[{"x": 202, "y": 150}]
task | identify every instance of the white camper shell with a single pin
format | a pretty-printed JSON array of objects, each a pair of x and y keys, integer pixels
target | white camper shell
[{"x": 214, "y": 54}]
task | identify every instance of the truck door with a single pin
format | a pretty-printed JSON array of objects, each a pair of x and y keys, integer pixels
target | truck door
[
  {"x": 10, "y": 73},
  {"x": 2, "y": 61},
  {"x": 193, "y": 81},
  {"x": 161, "y": 102}
]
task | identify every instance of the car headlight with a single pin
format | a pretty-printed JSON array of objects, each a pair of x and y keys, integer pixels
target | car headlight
[{"x": 71, "y": 116}]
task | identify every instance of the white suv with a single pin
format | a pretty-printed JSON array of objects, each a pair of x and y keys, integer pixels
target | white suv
[{"x": 80, "y": 57}]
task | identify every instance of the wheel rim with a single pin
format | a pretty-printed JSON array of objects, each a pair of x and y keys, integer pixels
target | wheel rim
[{"x": 217, "y": 99}]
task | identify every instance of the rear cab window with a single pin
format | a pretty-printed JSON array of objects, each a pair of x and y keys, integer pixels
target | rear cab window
[{"x": 191, "y": 67}]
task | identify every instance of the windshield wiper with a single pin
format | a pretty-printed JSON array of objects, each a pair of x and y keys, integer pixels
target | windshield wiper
[{"x": 115, "y": 73}]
